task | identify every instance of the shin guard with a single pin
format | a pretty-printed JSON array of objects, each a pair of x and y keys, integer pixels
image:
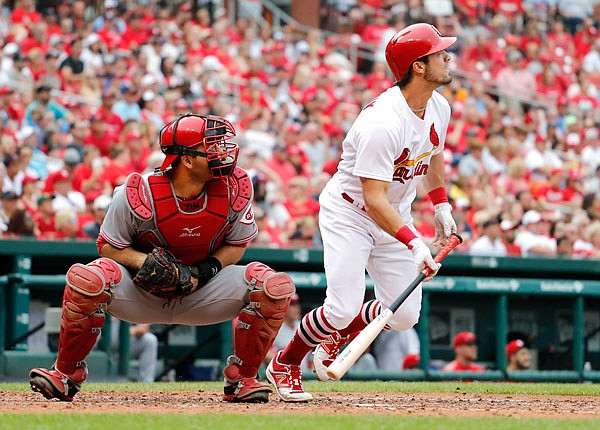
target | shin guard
[
  {"x": 259, "y": 322},
  {"x": 84, "y": 301}
]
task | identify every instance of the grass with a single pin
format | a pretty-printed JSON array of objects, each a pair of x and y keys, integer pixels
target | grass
[
  {"x": 261, "y": 422},
  {"x": 250, "y": 421},
  {"x": 542, "y": 389}
]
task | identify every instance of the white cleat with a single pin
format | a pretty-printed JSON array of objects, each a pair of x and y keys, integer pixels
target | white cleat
[
  {"x": 326, "y": 352},
  {"x": 287, "y": 380}
]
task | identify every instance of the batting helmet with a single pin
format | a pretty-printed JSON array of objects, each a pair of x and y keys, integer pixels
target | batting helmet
[
  {"x": 414, "y": 42},
  {"x": 188, "y": 131}
]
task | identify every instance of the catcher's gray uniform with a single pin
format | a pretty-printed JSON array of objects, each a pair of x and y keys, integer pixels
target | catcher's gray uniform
[{"x": 221, "y": 299}]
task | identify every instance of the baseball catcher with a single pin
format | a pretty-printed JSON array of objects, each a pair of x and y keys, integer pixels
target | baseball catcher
[{"x": 168, "y": 251}]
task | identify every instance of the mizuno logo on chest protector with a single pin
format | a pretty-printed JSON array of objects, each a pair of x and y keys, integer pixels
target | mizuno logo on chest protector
[{"x": 190, "y": 232}]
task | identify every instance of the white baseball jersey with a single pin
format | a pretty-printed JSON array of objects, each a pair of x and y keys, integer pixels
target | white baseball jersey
[
  {"x": 387, "y": 142},
  {"x": 390, "y": 143}
]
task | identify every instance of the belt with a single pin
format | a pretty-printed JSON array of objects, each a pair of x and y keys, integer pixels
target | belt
[{"x": 352, "y": 201}]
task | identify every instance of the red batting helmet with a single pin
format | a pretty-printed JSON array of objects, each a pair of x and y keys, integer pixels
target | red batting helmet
[
  {"x": 188, "y": 131},
  {"x": 414, "y": 42}
]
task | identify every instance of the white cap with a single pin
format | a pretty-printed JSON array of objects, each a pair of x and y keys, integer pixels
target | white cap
[
  {"x": 211, "y": 62},
  {"x": 573, "y": 139},
  {"x": 102, "y": 202},
  {"x": 10, "y": 49},
  {"x": 531, "y": 217},
  {"x": 148, "y": 80},
  {"x": 91, "y": 39},
  {"x": 110, "y": 4},
  {"x": 25, "y": 132},
  {"x": 148, "y": 95},
  {"x": 591, "y": 133}
]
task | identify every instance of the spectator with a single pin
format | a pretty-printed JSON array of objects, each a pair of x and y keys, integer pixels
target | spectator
[
  {"x": 128, "y": 108},
  {"x": 564, "y": 247},
  {"x": 508, "y": 230},
  {"x": 515, "y": 79},
  {"x": 465, "y": 350},
  {"x": 21, "y": 224},
  {"x": 67, "y": 225},
  {"x": 280, "y": 164},
  {"x": 143, "y": 346},
  {"x": 591, "y": 62},
  {"x": 10, "y": 204},
  {"x": 490, "y": 242},
  {"x": 65, "y": 198},
  {"x": 299, "y": 203},
  {"x": 44, "y": 217},
  {"x": 13, "y": 180},
  {"x": 71, "y": 158},
  {"x": 99, "y": 208},
  {"x": 72, "y": 68},
  {"x": 44, "y": 100},
  {"x": 593, "y": 235},
  {"x": 392, "y": 349},
  {"x": 533, "y": 238},
  {"x": 472, "y": 163},
  {"x": 518, "y": 356},
  {"x": 31, "y": 191}
]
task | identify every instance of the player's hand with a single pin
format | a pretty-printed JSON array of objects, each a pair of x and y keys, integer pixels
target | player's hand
[
  {"x": 423, "y": 258},
  {"x": 444, "y": 223}
]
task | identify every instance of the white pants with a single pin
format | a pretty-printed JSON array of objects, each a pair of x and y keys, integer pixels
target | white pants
[{"x": 353, "y": 242}]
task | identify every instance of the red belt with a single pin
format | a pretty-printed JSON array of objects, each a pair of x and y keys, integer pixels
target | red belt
[{"x": 354, "y": 202}]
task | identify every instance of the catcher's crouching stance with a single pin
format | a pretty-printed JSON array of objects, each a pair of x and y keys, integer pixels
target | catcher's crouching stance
[{"x": 169, "y": 246}]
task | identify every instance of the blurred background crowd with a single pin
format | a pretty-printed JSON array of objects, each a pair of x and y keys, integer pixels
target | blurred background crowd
[{"x": 85, "y": 86}]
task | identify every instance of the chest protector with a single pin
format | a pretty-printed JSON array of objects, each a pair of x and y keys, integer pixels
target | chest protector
[{"x": 193, "y": 230}]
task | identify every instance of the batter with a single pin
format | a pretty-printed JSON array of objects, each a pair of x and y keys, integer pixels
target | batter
[{"x": 396, "y": 142}]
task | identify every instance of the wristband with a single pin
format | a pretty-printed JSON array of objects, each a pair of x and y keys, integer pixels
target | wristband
[
  {"x": 213, "y": 265},
  {"x": 438, "y": 196},
  {"x": 405, "y": 235},
  {"x": 204, "y": 270}
]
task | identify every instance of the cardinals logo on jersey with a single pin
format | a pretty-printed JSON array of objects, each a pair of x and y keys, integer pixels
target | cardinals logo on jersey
[
  {"x": 248, "y": 217},
  {"x": 433, "y": 137},
  {"x": 406, "y": 169},
  {"x": 403, "y": 157}
]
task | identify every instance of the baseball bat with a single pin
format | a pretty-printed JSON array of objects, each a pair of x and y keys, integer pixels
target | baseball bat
[{"x": 355, "y": 349}]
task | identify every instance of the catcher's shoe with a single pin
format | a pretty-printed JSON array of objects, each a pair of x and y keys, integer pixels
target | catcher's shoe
[
  {"x": 246, "y": 390},
  {"x": 53, "y": 384},
  {"x": 326, "y": 352},
  {"x": 287, "y": 380}
]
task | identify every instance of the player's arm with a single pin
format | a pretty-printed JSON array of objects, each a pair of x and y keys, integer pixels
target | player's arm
[
  {"x": 229, "y": 254},
  {"x": 382, "y": 212},
  {"x": 435, "y": 185},
  {"x": 435, "y": 177},
  {"x": 128, "y": 257},
  {"x": 378, "y": 206}
]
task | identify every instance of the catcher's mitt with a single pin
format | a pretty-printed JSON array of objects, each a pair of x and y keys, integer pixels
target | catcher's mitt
[{"x": 163, "y": 275}]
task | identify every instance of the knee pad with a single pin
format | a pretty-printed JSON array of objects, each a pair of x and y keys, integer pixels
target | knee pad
[
  {"x": 88, "y": 287},
  {"x": 270, "y": 291}
]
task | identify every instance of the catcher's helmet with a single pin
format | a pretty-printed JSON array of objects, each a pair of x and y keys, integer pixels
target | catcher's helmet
[
  {"x": 188, "y": 131},
  {"x": 414, "y": 42}
]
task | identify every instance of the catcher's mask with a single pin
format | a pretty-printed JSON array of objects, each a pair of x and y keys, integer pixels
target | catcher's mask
[{"x": 190, "y": 130}]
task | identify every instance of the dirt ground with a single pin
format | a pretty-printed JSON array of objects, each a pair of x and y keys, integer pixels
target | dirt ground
[{"x": 416, "y": 404}]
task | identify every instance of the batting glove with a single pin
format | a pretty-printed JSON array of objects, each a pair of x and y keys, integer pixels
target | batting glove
[
  {"x": 444, "y": 223},
  {"x": 423, "y": 257}
]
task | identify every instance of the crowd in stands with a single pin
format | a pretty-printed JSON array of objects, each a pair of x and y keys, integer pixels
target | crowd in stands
[{"x": 85, "y": 88}]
